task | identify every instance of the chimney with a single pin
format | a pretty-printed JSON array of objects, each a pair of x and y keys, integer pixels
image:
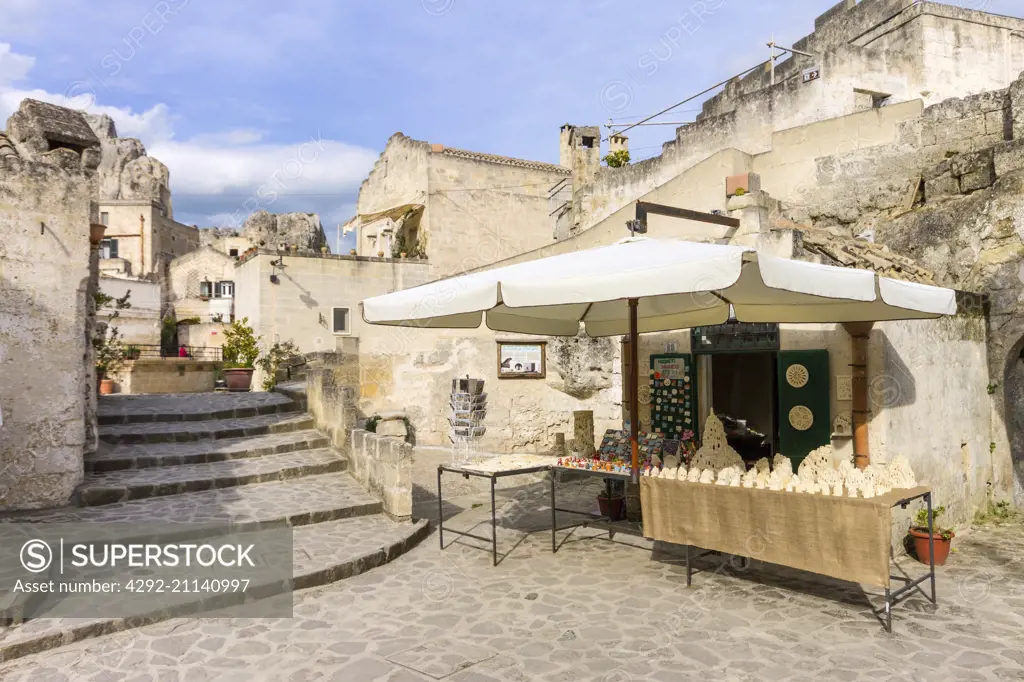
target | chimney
[
  {"x": 618, "y": 143},
  {"x": 586, "y": 159},
  {"x": 565, "y": 146}
]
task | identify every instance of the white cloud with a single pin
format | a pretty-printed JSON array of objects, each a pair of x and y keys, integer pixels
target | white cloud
[
  {"x": 13, "y": 66},
  {"x": 219, "y": 178}
]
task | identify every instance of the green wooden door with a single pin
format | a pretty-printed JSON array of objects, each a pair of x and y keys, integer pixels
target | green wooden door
[{"x": 805, "y": 418}]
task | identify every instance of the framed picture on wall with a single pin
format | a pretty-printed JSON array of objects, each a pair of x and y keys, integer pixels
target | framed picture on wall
[{"x": 522, "y": 359}]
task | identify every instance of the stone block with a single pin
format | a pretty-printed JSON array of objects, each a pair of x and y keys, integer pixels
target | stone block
[
  {"x": 1017, "y": 108},
  {"x": 974, "y": 162},
  {"x": 942, "y": 186},
  {"x": 995, "y": 122},
  {"x": 394, "y": 428},
  {"x": 936, "y": 171},
  {"x": 978, "y": 180},
  {"x": 1009, "y": 157}
]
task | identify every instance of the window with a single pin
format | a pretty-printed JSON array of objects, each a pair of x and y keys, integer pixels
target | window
[
  {"x": 340, "y": 316},
  {"x": 233, "y": 253},
  {"x": 108, "y": 248},
  {"x": 205, "y": 289},
  {"x": 588, "y": 142},
  {"x": 105, "y": 219},
  {"x": 224, "y": 289}
]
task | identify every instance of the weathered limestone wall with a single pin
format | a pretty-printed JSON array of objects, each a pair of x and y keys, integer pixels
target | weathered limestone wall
[
  {"x": 299, "y": 306},
  {"x": 481, "y": 211},
  {"x": 476, "y": 208},
  {"x": 875, "y": 48},
  {"x": 166, "y": 375},
  {"x": 381, "y": 464},
  {"x": 45, "y": 308}
]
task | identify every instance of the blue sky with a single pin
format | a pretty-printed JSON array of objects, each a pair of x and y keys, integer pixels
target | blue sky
[{"x": 303, "y": 95}]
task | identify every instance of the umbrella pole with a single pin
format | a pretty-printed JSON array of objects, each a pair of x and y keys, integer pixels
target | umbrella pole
[{"x": 634, "y": 388}]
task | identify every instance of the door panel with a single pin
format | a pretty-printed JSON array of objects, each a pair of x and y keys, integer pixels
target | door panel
[{"x": 805, "y": 416}]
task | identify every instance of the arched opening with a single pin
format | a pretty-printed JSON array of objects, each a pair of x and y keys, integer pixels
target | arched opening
[{"x": 1013, "y": 387}]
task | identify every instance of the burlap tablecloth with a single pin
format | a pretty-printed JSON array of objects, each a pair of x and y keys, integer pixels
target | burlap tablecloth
[{"x": 842, "y": 537}]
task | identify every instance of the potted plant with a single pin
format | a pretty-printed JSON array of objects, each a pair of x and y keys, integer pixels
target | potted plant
[
  {"x": 241, "y": 350},
  {"x": 133, "y": 352},
  {"x": 611, "y": 507},
  {"x": 272, "y": 360},
  {"x": 941, "y": 537},
  {"x": 352, "y": 252},
  {"x": 380, "y": 254},
  {"x": 323, "y": 250},
  {"x": 106, "y": 341}
]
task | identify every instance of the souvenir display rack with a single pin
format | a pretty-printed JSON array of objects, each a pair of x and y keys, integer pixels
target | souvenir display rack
[{"x": 673, "y": 396}]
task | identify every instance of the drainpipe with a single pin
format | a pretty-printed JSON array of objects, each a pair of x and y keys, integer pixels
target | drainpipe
[{"x": 859, "y": 334}]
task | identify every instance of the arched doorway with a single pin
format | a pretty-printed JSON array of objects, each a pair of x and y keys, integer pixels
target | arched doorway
[{"x": 1013, "y": 393}]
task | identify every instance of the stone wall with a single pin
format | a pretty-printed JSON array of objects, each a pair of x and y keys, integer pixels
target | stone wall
[
  {"x": 869, "y": 53},
  {"x": 470, "y": 208},
  {"x": 298, "y": 306},
  {"x": 166, "y": 375},
  {"x": 381, "y": 464},
  {"x": 46, "y": 305}
]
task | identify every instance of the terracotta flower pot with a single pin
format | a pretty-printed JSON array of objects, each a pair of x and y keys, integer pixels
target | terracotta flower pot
[
  {"x": 403, "y": 254},
  {"x": 612, "y": 508},
  {"x": 96, "y": 232},
  {"x": 238, "y": 379},
  {"x": 942, "y": 545},
  {"x": 352, "y": 252},
  {"x": 106, "y": 386}
]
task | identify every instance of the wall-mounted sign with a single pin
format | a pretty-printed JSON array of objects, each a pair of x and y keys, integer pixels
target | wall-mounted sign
[
  {"x": 522, "y": 360},
  {"x": 811, "y": 74}
]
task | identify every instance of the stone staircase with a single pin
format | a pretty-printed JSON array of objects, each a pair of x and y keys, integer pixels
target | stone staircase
[{"x": 253, "y": 460}]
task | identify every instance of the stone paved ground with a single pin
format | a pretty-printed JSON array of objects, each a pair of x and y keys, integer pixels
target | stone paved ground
[{"x": 596, "y": 610}]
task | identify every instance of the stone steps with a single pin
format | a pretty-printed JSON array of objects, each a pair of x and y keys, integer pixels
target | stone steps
[
  {"x": 215, "y": 429},
  {"x": 137, "y": 409},
  {"x": 322, "y": 553},
  {"x": 148, "y": 455},
  {"x": 297, "y": 502},
  {"x": 134, "y": 484},
  {"x": 245, "y": 460}
]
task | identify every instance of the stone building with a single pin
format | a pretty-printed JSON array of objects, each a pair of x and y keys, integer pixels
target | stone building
[
  {"x": 865, "y": 157},
  {"x": 459, "y": 209},
  {"x": 48, "y": 278},
  {"x": 135, "y": 204}
]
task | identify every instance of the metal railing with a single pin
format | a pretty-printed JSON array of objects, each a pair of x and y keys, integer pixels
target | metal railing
[{"x": 141, "y": 351}]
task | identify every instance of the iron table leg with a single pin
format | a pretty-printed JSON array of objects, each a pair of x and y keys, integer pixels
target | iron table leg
[
  {"x": 688, "y": 580},
  {"x": 494, "y": 527},
  {"x": 931, "y": 545},
  {"x": 554, "y": 516},
  {"x": 440, "y": 510}
]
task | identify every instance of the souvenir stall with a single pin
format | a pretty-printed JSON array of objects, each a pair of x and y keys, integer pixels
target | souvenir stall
[{"x": 641, "y": 285}]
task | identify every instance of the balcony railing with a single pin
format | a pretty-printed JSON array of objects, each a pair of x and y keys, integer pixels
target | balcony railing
[{"x": 139, "y": 351}]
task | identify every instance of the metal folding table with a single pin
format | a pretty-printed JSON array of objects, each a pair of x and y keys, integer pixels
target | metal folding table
[{"x": 493, "y": 476}]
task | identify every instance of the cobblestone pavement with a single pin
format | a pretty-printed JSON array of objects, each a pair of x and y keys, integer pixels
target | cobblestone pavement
[{"x": 597, "y": 610}]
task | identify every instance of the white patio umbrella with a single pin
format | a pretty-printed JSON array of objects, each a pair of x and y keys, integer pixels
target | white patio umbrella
[{"x": 643, "y": 285}]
